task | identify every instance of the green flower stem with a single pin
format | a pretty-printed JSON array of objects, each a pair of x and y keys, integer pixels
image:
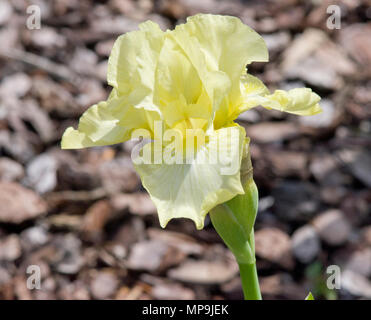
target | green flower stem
[
  {"x": 250, "y": 282},
  {"x": 249, "y": 275},
  {"x": 243, "y": 247}
]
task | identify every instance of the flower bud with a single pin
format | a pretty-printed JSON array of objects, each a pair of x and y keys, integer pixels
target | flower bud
[{"x": 234, "y": 220}]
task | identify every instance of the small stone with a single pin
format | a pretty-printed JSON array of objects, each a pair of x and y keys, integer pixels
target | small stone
[
  {"x": 327, "y": 118},
  {"x": 17, "y": 84},
  {"x": 314, "y": 58},
  {"x": 68, "y": 254},
  {"x": 77, "y": 176},
  {"x": 102, "y": 69},
  {"x": 6, "y": 11},
  {"x": 65, "y": 221},
  {"x": 54, "y": 98},
  {"x": 181, "y": 241},
  {"x": 42, "y": 173},
  {"x": 356, "y": 41},
  {"x": 20, "y": 288},
  {"x": 104, "y": 285},
  {"x": 288, "y": 163},
  {"x": 332, "y": 227},
  {"x": 360, "y": 262},
  {"x": 362, "y": 94},
  {"x": 35, "y": 237},
  {"x": 103, "y": 48},
  {"x": 19, "y": 204},
  {"x": 274, "y": 245},
  {"x": 366, "y": 235},
  {"x": 133, "y": 231},
  {"x": 16, "y": 146},
  {"x": 47, "y": 289},
  {"x": 281, "y": 286},
  {"x": 172, "y": 291},
  {"x": 9, "y": 37},
  {"x": 47, "y": 38},
  {"x": 333, "y": 195},
  {"x": 96, "y": 217},
  {"x": 298, "y": 208},
  {"x": 322, "y": 165},
  {"x": 182, "y": 8},
  {"x": 359, "y": 163},
  {"x": 118, "y": 25},
  {"x": 265, "y": 203},
  {"x": 276, "y": 41},
  {"x": 267, "y": 25},
  {"x": 91, "y": 90},
  {"x": 153, "y": 256},
  {"x": 117, "y": 250},
  {"x": 356, "y": 284},
  {"x": 119, "y": 175},
  {"x": 249, "y": 116},
  {"x": 10, "y": 248},
  {"x": 266, "y": 132},
  {"x": 10, "y": 170},
  {"x": 83, "y": 60},
  {"x": 162, "y": 289},
  {"x": 271, "y": 285},
  {"x": 204, "y": 272},
  {"x": 4, "y": 276},
  {"x": 74, "y": 291},
  {"x": 305, "y": 244},
  {"x": 39, "y": 119},
  {"x": 138, "y": 203},
  {"x": 232, "y": 289},
  {"x": 290, "y": 18}
]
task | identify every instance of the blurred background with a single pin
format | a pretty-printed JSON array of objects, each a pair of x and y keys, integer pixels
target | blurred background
[{"x": 83, "y": 218}]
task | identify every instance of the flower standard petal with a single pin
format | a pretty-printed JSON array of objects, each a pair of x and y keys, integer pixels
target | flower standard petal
[
  {"x": 227, "y": 44},
  {"x": 132, "y": 63},
  {"x": 179, "y": 92},
  {"x": 220, "y": 47}
]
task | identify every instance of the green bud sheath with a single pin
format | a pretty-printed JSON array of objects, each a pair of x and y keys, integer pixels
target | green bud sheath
[{"x": 234, "y": 221}]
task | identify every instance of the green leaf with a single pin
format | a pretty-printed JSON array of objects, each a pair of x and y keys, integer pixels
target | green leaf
[{"x": 309, "y": 296}]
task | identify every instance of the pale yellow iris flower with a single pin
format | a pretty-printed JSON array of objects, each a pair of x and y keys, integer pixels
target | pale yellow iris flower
[{"x": 192, "y": 77}]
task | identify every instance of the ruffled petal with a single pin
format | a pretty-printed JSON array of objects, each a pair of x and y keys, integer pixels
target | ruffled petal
[
  {"x": 109, "y": 122},
  {"x": 299, "y": 101},
  {"x": 132, "y": 63},
  {"x": 220, "y": 47},
  {"x": 252, "y": 90},
  {"x": 179, "y": 92},
  {"x": 191, "y": 190},
  {"x": 227, "y": 44},
  {"x": 97, "y": 127}
]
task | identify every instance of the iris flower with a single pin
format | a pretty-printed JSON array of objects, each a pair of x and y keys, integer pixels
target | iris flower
[{"x": 192, "y": 77}]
